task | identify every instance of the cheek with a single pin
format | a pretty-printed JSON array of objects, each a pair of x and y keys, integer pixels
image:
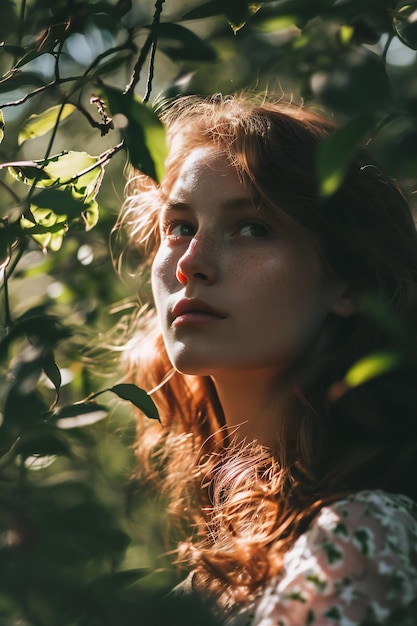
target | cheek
[{"x": 162, "y": 275}]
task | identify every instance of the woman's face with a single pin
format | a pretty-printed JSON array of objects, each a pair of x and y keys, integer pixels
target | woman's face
[{"x": 234, "y": 289}]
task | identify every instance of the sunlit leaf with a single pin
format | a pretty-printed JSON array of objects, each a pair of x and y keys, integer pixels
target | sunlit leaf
[
  {"x": 142, "y": 131},
  {"x": 346, "y": 33},
  {"x": 63, "y": 169},
  {"x": 49, "y": 230},
  {"x": 239, "y": 11},
  {"x": 372, "y": 366},
  {"x": 79, "y": 415},
  {"x": 274, "y": 24},
  {"x": 69, "y": 182},
  {"x": 335, "y": 153},
  {"x": 40, "y": 124},
  {"x": 138, "y": 397},
  {"x": 29, "y": 173},
  {"x": 90, "y": 214}
]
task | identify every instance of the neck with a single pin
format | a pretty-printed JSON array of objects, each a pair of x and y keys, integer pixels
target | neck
[{"x": 252, "y": 403}]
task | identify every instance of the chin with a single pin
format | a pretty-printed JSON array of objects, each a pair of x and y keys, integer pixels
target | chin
[{"x": 189, "y": 366}]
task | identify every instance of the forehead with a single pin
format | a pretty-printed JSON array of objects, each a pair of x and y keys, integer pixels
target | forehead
[{"x": 206, "y": 170}]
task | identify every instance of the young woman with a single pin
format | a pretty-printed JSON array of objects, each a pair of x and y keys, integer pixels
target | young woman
[{"x": 297, "y": 485}]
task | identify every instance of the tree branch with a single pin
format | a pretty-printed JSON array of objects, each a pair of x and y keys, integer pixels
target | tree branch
[{"x": 149, "y": 44}]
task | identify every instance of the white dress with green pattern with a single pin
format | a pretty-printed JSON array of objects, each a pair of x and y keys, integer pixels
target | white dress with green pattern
[{"x": 355, "y": 566}]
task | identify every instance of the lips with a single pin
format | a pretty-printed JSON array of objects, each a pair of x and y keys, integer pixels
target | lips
[{"x": 193, "y": 310}]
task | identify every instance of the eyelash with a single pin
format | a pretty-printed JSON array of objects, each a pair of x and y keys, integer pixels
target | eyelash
[
  {"x": 168, "y": 226},
  {"x": 266, "y": 230}
]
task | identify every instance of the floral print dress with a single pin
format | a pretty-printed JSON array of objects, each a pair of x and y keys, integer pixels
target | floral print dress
[{"x": 355, "y": 566}]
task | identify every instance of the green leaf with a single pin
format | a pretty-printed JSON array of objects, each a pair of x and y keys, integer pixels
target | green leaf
[
  {"x": 61, "y": 201},
  {"x": 79, "y": 415},
  {"x": 52, "y": 371},
  {"x": 355, "y": 82},
  {"x": 69, "y": 182},
  {"x": 38, "y": 125},
  {"x": 371, "y": 366},
  {"x": 138, "y": 397},
  {"x": 236, "y": 11},
  {"x": 405, "y": 24},
  {"x": 239, "y": 11},
  {"x": 28, "y": 173},
  {"x": 49, "y": 229},
  {"x": 63, "y": 169},
  {"x": 272, "y": 24},
  {"x": 47, "y": 329},
  {"x": 19, "y": 80},
  {"x": 336, "y": 151},
  {"x": 208, "y": 9},
  {"x": 143, "y": 132},
  {"x": 22, "y": 403},
  {"x": 9, "y": 235},
  {"x": 181, "y": 44},
  {"x": 106, "y": 67},
  {"x": 27, "y": 58},
  {"x": 42, "y": 442},
  {"x": 14, "y": 51}
]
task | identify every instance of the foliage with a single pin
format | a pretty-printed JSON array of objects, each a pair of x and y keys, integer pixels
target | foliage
[{"x": 71, "y": 114}]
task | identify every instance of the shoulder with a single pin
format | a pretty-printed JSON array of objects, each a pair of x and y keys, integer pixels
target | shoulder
[
  {"x": 356, "y": 564},
  {"x": 364, "y": 546},
  {"x": 368, "y": 523}
]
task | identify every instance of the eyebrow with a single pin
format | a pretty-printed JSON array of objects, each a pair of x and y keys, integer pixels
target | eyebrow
[{"x": 231, "y": 204}]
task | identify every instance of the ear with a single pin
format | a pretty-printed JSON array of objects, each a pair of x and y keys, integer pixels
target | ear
[{"x": 344, "y": 304}]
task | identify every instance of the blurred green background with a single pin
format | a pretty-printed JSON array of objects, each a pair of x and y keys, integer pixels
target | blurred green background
[{"x": 82, "y": 540}]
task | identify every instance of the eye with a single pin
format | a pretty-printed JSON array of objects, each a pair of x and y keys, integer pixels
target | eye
[
  {"x": 253, "y": 229},
  {"x": 177, "y": 228}
]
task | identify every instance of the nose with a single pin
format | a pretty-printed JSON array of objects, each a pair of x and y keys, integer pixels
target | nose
[{"x": 198, "y": 263}]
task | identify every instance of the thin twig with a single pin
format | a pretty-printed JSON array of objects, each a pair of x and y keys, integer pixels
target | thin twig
[
  {"x": 139, "y": 64},
  {"x": 28, "y": 96},
  {"x": 155, "y": 25},
  {"x": 54, "y": 131},
  {"x": 150, "y": 72},
  {"x": 386, "y": 48},
  {"x": 57, "y": 58},
  {"x": 68, "y": 79},
  {"x": 128, "y": 45},
  {"x": 102, "y": 160},
  {"x": 103, "y": 127},
  {"x": 150, "y": 44}
]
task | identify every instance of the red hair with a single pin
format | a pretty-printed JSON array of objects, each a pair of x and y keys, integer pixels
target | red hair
[{"x": 248, "y": 503}]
